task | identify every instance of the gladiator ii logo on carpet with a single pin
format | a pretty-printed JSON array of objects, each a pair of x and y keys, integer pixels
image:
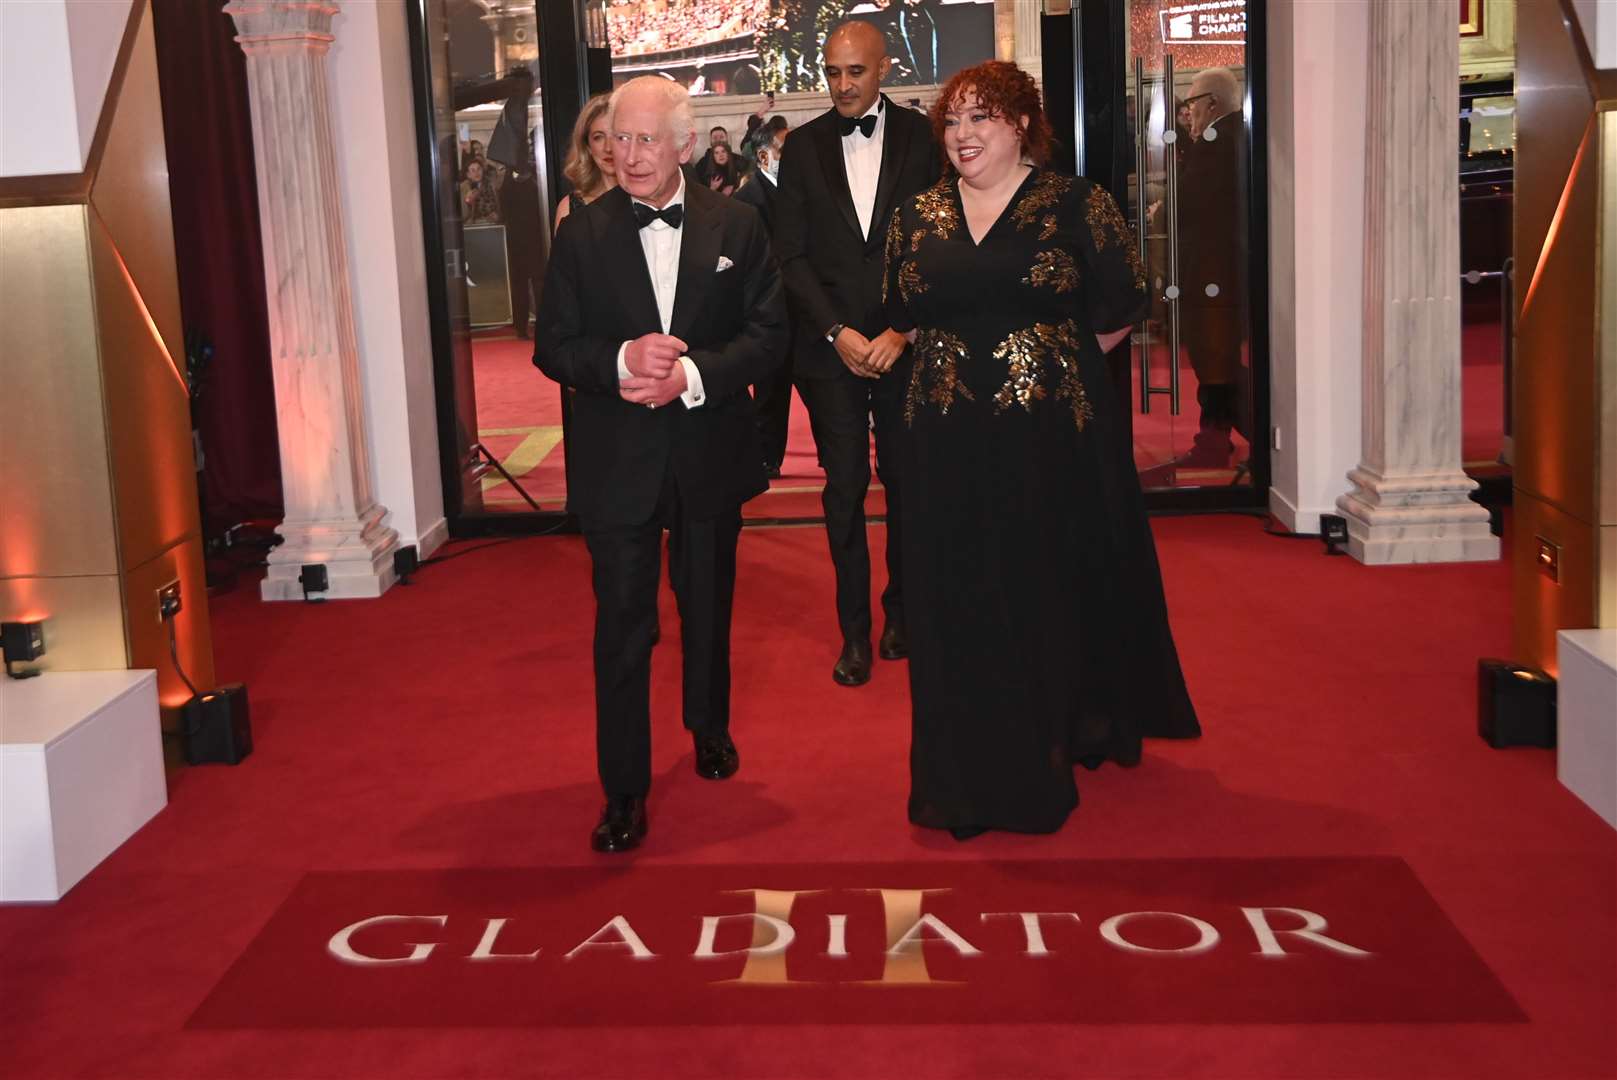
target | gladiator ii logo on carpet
[{"x": 1173, "y": 940}]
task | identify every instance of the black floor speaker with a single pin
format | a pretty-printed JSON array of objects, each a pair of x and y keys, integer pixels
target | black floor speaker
[
  {"x": 217, "y": 728},
  {"x": 1515, "y": 705}
]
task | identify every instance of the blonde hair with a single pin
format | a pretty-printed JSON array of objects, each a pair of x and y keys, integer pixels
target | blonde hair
[{"x": 580, "y": 168}]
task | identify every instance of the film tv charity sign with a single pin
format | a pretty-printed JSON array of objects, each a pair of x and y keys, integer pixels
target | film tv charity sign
[{"x": 1211, "y": 22}]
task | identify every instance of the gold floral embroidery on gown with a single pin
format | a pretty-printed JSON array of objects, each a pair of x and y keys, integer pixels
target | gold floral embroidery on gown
[
  {"x": 1053, "y": 268},
  {"x": 1045, "y": 193},
  {"x": 935, "y": 378},
  {"x": 937, "y": 209},
  {"x": 1028, "y": 354},
  {"x": 1106, "y": 226},
  {"x": 1034, "y": 364}
]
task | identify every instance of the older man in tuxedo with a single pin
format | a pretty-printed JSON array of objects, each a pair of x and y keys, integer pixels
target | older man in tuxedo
[
  {"x": 662, "y": 304},
  {"x": 841, "y": 176}
]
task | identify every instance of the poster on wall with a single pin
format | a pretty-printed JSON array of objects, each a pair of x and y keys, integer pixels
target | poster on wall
[{"x": 751, "y": 46}]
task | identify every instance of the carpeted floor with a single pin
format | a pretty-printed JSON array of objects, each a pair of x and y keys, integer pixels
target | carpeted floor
[{"x": 431, "y": 753}]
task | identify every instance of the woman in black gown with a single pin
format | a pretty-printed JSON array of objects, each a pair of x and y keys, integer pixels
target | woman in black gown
[{"x": 1038, "y": 632}]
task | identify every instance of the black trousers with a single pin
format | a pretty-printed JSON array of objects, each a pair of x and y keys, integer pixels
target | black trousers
[
  {"x": 524, "y": 268},
  {"x": 773, "y": 401},
  {"x": 840, "y": 410},
  {"x": 702, "y": 570}
]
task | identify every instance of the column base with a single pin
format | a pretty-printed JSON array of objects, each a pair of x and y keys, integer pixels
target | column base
[
  {"x": 1414, "y": 518},
  {"x": 358, "y": 557}
]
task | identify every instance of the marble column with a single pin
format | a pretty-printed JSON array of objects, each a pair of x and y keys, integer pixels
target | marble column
[
  {"x": 332, "y": 517},
  {"x": 1410, "y": 498},
  {"x": 1029, "y": 48}
]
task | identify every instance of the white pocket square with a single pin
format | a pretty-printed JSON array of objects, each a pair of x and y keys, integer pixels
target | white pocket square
[{"x": 724, "y": 264}]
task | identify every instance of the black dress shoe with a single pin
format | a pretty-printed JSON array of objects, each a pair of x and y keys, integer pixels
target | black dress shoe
[
  {"x": 894, "y": 644},
  {"x": 623, "y": 824},
  {"x": 966, "y": 832},
  {"x": 853, "y": 666},
  {"x": 716, "y": 757}
]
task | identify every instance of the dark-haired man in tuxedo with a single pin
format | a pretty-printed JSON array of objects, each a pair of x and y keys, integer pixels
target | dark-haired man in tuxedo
[
  {"x": 662, "y": 304},
  {"x": 774, "y": 396},
  {"x": 841, "y": 176}
]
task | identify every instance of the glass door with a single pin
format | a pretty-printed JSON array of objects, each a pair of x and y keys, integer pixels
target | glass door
[
  {"x": 495, "y": 102},
  {"x": 1189, "y": 193}
]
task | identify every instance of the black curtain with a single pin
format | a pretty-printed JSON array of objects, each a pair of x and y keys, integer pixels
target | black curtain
[{"x": 212, "y": 183}]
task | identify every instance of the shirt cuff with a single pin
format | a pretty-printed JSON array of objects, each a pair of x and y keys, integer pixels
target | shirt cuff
[
  {"x": 693, "y": 395},
  {"x": 623, "y": 368}
]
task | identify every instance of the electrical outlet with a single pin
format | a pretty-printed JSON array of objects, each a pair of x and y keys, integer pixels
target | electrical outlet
[
  {"x": 1274, "y": 438},
  {"x": 168, "y": 601}
]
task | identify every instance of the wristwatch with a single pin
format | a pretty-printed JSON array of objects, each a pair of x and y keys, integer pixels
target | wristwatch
[{"x": 831, "y": 334}]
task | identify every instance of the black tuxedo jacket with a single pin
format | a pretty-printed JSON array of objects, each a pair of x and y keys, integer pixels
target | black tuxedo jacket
[
  {"x": 833, "y": 274},
  {"x": 761, "y": 195},
  {"x": 598, "y": 294}
]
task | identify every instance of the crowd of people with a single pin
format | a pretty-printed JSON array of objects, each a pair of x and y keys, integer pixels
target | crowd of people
[
  {"x": 923, "y": 277},
  {"x": 636, "y": 27}
]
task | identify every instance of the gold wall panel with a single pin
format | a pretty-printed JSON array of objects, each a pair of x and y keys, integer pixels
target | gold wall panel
[
  {"x": 147, "y": 415},
  {"x": 1543, "y": 606},
  {"x": 97, "y": 476},
  {"x": 130, "y": 190},
  {"x": 1564, "y": 385},
  {"x": 55, "y": 491},
  {"x": 84, "y": 623},
  {"x": 148, "y": 638},
  {"x": 1556, "y": 392}
]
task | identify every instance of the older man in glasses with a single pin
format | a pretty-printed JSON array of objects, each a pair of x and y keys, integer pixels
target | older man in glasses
[{"x": 1213, "y": 246}]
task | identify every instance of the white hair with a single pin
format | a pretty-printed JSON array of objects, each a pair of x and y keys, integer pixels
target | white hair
[
  {"x": 673, "y": 97},
  {"x": 1221, "y": 83}
]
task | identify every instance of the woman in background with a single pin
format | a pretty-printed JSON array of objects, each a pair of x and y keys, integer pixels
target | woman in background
[
  {"x": 589, "y": 165},
  {"x": 1038, "y": 632},
  {"x": 719, "y": 170},
  {"x": 480, "y": 203}
]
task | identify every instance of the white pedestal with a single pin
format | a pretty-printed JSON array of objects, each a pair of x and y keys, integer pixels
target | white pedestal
[
  {"x": 1586, "y": 718},
  {"x": 81, "y": 768}
]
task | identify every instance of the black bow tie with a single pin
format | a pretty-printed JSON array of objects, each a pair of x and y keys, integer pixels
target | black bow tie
[
  {"x": 865, "y": 125},
  {"x": 644, "y": 215}
]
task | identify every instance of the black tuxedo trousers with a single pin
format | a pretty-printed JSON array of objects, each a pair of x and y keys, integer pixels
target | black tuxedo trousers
[
  {"x": 702, "y": 570},
  {"x": 833, "y": 273},
  {"x": 841, "y": 410}
]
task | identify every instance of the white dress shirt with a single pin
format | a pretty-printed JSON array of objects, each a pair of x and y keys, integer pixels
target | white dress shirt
[
  {"x": 862, "y": 157},
  {"x": 660, "y": 243}
]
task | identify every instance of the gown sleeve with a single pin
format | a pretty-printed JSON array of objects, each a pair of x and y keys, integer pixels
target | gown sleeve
[
  {"x": 898, "y": 312},
  {"x": 1114, "y": 278}
]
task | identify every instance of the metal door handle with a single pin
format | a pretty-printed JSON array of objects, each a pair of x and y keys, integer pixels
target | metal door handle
[
  {"x": 1171, "y": 163},
  {"x": 1140, "y": 221}
]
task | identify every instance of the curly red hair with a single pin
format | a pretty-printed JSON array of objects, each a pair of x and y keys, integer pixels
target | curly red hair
[{"x": 1004, "y": 91}]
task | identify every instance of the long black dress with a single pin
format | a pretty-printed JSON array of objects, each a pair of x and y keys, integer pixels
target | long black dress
[{"x": 1037, "y": 626}]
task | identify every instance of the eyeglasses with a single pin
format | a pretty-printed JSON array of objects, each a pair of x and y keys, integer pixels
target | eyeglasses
[{"x": 1191, "y": 100}]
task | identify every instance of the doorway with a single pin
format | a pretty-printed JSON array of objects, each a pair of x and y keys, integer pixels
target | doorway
[
  {"x": 492, "y": 83},
  {"x": 1164, "y": 102}
]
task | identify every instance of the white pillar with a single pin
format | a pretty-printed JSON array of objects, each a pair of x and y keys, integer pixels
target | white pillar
[
  {"x": 1029, "y": 48},
  {"x": 331, "y": 516},
  {"x": 1410, "y": 498},
  {"x": 1318, "y": 64}
]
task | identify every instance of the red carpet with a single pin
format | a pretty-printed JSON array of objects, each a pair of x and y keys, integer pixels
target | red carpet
[
  {"x": 444, "y": 732},
  {"x": 1157, "y": 940}
]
